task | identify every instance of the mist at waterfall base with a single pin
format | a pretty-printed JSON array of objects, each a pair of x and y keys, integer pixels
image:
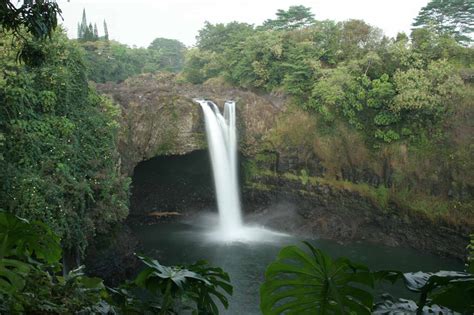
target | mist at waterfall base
[{"x": 221, "y": 133}]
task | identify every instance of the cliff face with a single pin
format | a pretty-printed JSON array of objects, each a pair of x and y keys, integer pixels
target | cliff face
[
  {"x": 160, "y": 117},
  {"x": 341, "y": 189}
]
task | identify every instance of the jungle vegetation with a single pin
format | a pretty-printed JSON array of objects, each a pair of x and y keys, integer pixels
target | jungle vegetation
[{"x": 404, "y": 101}]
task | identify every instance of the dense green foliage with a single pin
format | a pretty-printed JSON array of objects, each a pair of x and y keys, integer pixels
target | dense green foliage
[
  {"x": 30, "y": 280},
  {"x": 389, "y": 88},
  {"x": 159, "y": 289},
  {"x": 39, "y": 17},
  {"x": 29, "y": 272},
  {"x": 454, "y": 17},
  {"x": 167, "y": 54},
  {"x": 111, "y": 61},
  {"x": 108, "y": 60},
  {"x": 59, "y": 160},
  {"x": 87, "y": 32},
  {"x": 398, "y": 100},
  {"x": 316, "y": 284},
  {"x": 373, "y": 106},
  {"x": 295, "y": 17},
  {"x": 172, "y": 290},
  {"x": 312, "y": 283}
]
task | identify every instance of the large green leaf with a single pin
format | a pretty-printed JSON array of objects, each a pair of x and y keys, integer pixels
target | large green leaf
[
  {"x": 391, "y": 306},
  {"x": 218, "y": 285},
  {"x": 312, "y": 283},
  {"x": 156, "y": 271},
  {"x": 457, "y": 294},
  {"x": 440, "y": 290},
  {"x": 21, "y": 238},
  {"x": 12, "y": 275},
  {"x": 199, "y": 282}
]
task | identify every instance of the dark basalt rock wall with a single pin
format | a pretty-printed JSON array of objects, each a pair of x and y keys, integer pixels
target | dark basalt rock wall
[
  {"x": 320, "y": 210},
  {"x": 178, "y": 183}
]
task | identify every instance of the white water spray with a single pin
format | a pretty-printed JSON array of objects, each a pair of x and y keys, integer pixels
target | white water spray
[{"x": 222, "y": 141}]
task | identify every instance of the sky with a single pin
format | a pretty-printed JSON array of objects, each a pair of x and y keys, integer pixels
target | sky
[{"x": 138, "y": 22}]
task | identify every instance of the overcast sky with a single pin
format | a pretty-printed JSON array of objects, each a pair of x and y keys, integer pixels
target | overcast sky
[{"x": 138, "y": 22}]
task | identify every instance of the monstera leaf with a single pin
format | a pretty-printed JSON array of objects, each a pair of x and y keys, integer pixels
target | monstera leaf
[
  {"x": 454, "y": 290},
  {"x": 155, "y": 274},
  {"x": 218, "y": 285},
  {"x": 392, "y": 306},
  {"x": 440, "y": 293},
  {"x": 21, "y": 238},
  {"x": 198, "y": 282},
  {"x": 312, "y": 283},
  {"x": 12, "y": 275}
]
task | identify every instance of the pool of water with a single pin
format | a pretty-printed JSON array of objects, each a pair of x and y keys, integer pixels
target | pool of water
[{"x": 246, "y": 261}]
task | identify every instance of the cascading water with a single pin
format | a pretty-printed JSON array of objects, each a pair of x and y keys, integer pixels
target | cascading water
[{"x": 222, "y": 141}]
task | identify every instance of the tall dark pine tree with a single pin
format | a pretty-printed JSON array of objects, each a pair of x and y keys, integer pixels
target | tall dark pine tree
[
  {"x": 448, "y": 17},
  {"x": 83, "y": 26},
  {"x": 89, "y": 35},
  {"x": 87, "y": 31},
  {"x": 106, "y": 31}
]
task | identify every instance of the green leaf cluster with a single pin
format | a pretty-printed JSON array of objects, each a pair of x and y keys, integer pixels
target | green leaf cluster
[
  {"x": 173, "y": 287},
  {"x": 390, "y": 89},
  {"x": 299, "y": 282},
  {"x": 448, "y": 17},
  {"x": 110, "y": 61},
  {"x": 60, "y": 163},
  {"x": 31, "y": 281}
]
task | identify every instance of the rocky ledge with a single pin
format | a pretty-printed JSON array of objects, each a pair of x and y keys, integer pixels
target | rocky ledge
[
  {"x": 160, "y": 116},
  {"x": 337, "y": 213}
]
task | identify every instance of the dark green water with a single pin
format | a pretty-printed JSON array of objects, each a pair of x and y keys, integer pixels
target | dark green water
[{"x": 177, "y": 243}]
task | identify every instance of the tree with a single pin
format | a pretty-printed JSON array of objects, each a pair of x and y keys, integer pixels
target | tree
[
  {"x": 96, "y": 32},
  {"x": 169, "y": 53},
  {"x": 200, "y": 65},
  {"x": 39, "y": 17},
  {"x": 82, "y": 26},
  {"x": 60, "y": 158},
  {"x": 453, "y": 17},
  {"x": 358, "y": 37},
  {"x": 87, "y": 32},
  {"x": 219, "y": 37},
  {"x": 295, "y": 17},
  {"x": 106, "y": 31}
]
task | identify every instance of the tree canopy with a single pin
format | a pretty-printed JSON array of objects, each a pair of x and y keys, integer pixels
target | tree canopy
[
  {"x": 451, "y": 17},
  {"x": 168, "y": 53},
  {"x": 295, "y": 17},
  {"x": 39, "y": 17},
  {"x": 59, "y": 160}
]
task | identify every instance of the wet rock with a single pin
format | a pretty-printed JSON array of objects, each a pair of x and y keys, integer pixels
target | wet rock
[
  {"x": 338, "y": 214},
  {"x": 160, "y": 116}
]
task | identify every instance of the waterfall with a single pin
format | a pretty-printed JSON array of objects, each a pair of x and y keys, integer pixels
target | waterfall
[{"x": 222, "y": 142}]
